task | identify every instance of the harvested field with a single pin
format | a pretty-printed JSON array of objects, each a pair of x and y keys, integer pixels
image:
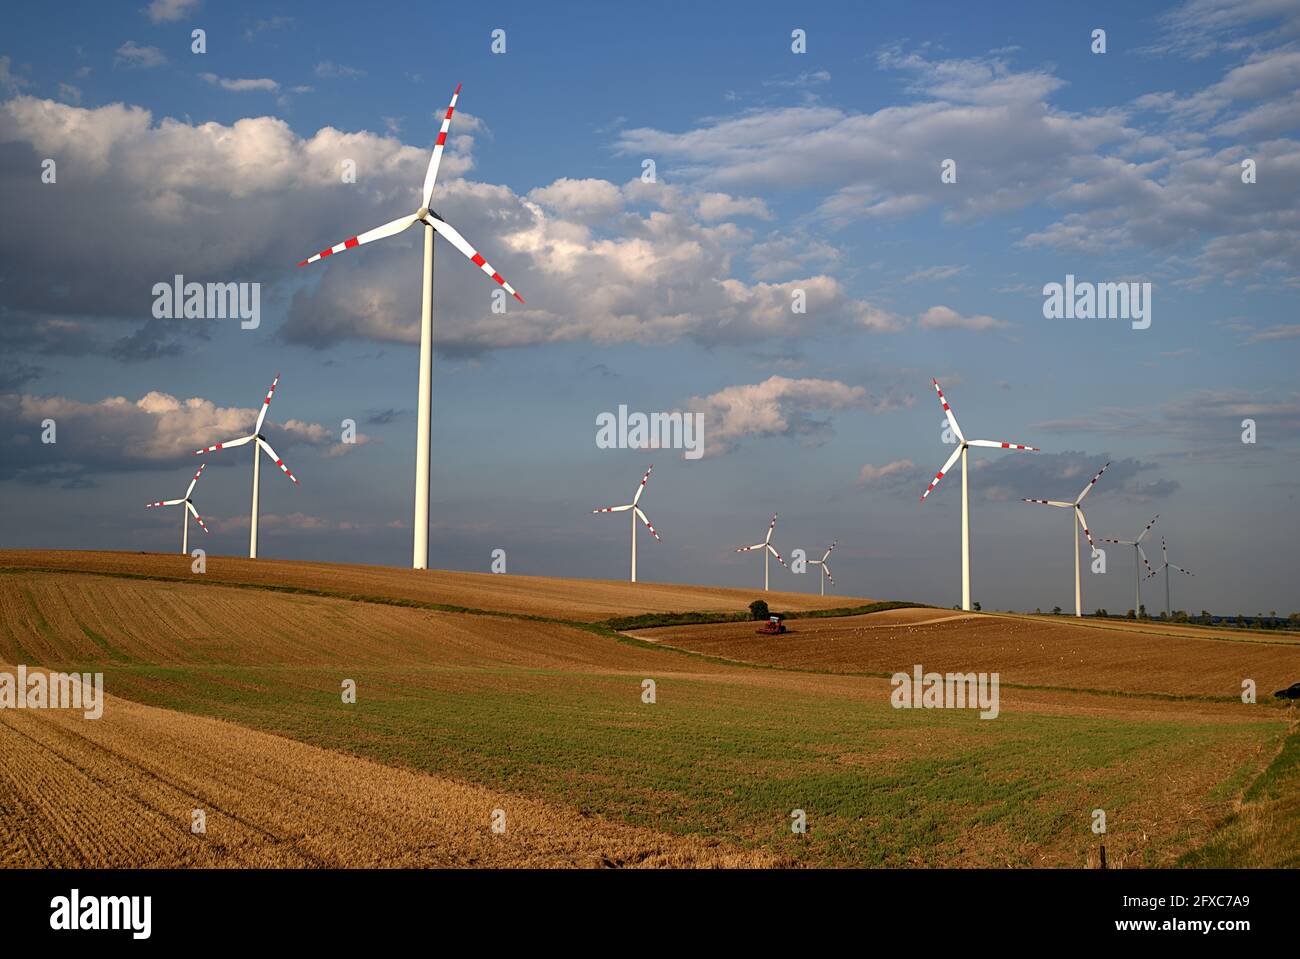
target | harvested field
[
  {"x": 52, "y": 619},
  {"x": 1023, "y": 650},
  {"x": 227, "y": 698},
  {"x": 569, "y": 599},
  {"x": 120, "y": 791}
]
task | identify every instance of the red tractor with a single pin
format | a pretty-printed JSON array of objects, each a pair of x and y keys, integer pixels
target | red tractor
[{"x": 772, "y": 627}]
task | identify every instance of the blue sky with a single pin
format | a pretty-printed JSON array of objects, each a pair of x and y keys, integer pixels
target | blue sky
[{"x": 776, "y": 171}]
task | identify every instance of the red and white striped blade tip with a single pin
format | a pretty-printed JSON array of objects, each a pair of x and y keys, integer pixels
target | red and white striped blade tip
[{"x": 459, "y": 242}]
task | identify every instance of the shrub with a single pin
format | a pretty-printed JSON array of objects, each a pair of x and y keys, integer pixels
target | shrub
[{"x": 758, "y": 609}]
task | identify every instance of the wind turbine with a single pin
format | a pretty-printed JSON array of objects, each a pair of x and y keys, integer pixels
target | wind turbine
[
  {"x": 1139, "y": 558},
  {"x": 432, "y": 222},
  {"x": 185, "y": 513},
  {"x": 1083, "y": 524},
  {"x": 964, "y": 445},
  {"x": 1167, "y": 566},
  {"x": 824, "y": 568},
  {"x": 260, "y": 445},
  {"x": 636, "y": 515},
  {"x": 767, "y": 547}
]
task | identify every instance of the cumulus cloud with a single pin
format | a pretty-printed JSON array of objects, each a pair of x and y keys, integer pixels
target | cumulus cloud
[
  {"x": 885, "y": 475},
  {"x": 244, "y": 202},
  {"x": 780, "y": 406},
  {"x": 133, "y": 55},
  {"x": 1137, "y": 176},
  {"x": 946, "y": 318},
  {"x": 120, "y": 435}
]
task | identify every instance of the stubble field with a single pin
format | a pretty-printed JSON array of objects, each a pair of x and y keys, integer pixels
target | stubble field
[{"x": 227, "y": 698}]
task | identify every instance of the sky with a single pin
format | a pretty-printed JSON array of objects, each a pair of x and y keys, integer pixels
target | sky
[{"x": 664, "y": 186}]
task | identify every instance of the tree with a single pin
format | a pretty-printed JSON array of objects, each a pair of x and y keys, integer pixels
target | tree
[
  {"x": 1142, "y": 611},
  {"x": 1056, "y": 611},
  {"x": 1132, "y": 614},
  {"x": 976, "y": 607},
  {"x": 1038, "y": 610},
  {"x": 758, "y": 609}
]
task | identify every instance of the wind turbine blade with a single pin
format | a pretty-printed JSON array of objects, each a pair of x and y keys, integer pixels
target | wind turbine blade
[
  {"x": 772, "y": 549},
  {"x": 771, "y": 526},
  {"x": 641, "y": 489},
  {"x": 224, "y": 446},
  {"x": 998, "y": 444},
  {"x": 1091, "y": 483},
  {"x": 746, "y": 549},
  {"x": 1048, "y": 502},
  {"x": 612, "y": 509},
  {"x": 642, "y": 517},
  {"x": 202, "y": 467},
  {"x": 828, "y": 552},
  {"x": 1145, "y": 561},
  {"x": 266, "y": 405},
  {"x": 278, "y": 462},
  {"x": 1083, "y": 522},
  {"x": 1180, "y": 569},
  {"x": 947, "y": 411},
  {"x": 431, "y": 175},
  {"x": 378, "y": 233},
  {"x": 1120, "y": 542},
  {"x": 942, "y": 472},
  {"x": 1148, "y": 527},
  {"x": 460, "y": 243},
  {"x": 828, "y": 573},
  {"x": 197, "y": 517},
  {"x": 163, "y": 502}
]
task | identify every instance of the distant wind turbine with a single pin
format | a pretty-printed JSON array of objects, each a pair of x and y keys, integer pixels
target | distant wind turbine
[
  {"x": 432, "y": 222},
  {"x": 259, "y": 445},
  {"x": 1083, "y": 524},
  {"x": 767, "y": 547},
  {"x": 1139, "y": 558},
  {"x": 636, "y": 515},
  {"x": 185, "y": 513},
  {"x": 825, "y": 569},
  {"x": 961, "y": 450},
  {"x": 1166, "y": 566}
]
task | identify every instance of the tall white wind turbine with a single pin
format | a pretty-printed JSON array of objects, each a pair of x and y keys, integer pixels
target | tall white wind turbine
[
  {"x": 767, "y": 547},
  {"x": 185, "y": 513},
  {"x": 432, "y": 223},
  {"x": 1166, "y": 566},
  {"x": 260, "y": 445},
  {"x": 1082, "y": 524},
  {"x": 961, "y": 450},
  {"x": 636, "y": 515},
  {"x": 825, "y": 569},
  {"x": 1139, "y": 559}
]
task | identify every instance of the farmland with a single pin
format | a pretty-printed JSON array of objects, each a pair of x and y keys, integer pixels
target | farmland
[{"x": 224, "y": 695}]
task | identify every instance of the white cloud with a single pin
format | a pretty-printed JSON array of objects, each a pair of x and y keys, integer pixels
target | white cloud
[
  {"x": 873, "y": 475},
  {"x": 169, "y": 11},
  {"x": 240, "y": 86},
  {"x": 945, "y": 318},
  {"x": 779, "y": 406},
  {"x": 118, "y": 434},
  {"x": 131, "y": 54},
  {"x": 246, "y": 201}
]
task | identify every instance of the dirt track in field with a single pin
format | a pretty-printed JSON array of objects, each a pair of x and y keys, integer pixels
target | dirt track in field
[
  {"x": 572, "y": 599},
  {"x": 119, "y": 792},
  {"x": 1024, "y": 651}
]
